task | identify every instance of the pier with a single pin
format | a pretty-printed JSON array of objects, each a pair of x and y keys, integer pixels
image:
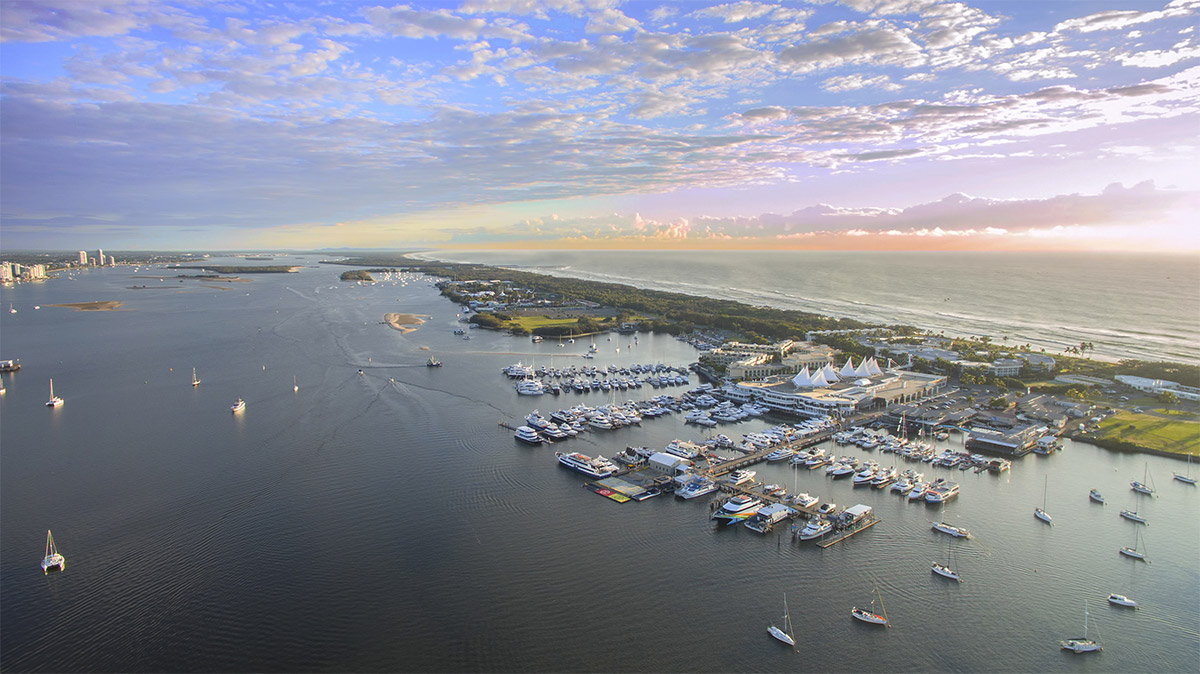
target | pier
[{"x": 849, "y": 531}]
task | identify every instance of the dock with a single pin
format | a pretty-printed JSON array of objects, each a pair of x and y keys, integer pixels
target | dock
[{"x": 847, "y": 533}]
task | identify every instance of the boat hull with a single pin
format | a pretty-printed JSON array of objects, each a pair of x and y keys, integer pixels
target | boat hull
[
  {"x": 867, "y": 616},
  {"x": 781, "y": 635}
]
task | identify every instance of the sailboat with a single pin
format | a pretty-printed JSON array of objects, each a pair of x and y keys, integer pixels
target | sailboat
[
  {"x": 1187, "y": 477},
  {"x": 54, "y": 400},
  {"x": 11, "y": 310},
  {"x": 52, "y": 560},
  {"x": 1143, "y": 487},
  {"x": 195, "y": 381},
  {"x": 869, "y": 616},
  {"x": 1134, "y": 552},
  {"x": 944, "y": 570},
  {"x": 1082, "y": 644},
  {"x": 785, "y": 634},
  {"x": 295, "y": 386},
  {"x": 1041, "y": 513}
]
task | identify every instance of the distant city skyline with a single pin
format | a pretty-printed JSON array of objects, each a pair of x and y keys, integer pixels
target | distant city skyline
[{"x": 861, "y": 124}]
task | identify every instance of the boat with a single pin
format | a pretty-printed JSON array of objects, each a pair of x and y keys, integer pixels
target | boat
[
  {"x": 52, "y": 560},
  {"x": 869, "y": 616},
  {"x": 738, "y": 509},
  {"x": 785, "y": 634},
  {"x": 780, "y": 454},
  {"x": 238, "y": 406},
  {"x": 295, "y": 386},
  {"x": 195, "y": 381},
  {"x": 1143, "y": 487},
  {"x": 740, "y": 476},
  {"x": 1134, "y": 552},
  {"x": 696, "y": 487},
  {"x": 11, "y": 310},
  {"x": 944, "y": 570},
  {"x": 54, "y": 400},
  {"x": 1121, "y": 600},
  {"x": 826, "y": 508},
  {"x": 598, "y": 467},
  {"x": 942, "y": 493},
  {"x": 1095, "y": 496},
  {"x": 527, "y": 435},
  {"x": 1186, "y": 478},
  {"x": 768, "y": 516},
  {"x": 1041, "y": 513},
  {"x": 433, "y": 362},
  {"x": 815, "y": 528},
  {"x": 805, "y": 500},
  {"x": 1134, "y": 517},
  {"x": 1082, "y": 644},
  {"x": 946, "y": 528}
]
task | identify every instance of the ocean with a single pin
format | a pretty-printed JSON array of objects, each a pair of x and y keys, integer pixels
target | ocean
[
  {"x": 385, "y": 521},
  {"x": 1129, "y": 306}
]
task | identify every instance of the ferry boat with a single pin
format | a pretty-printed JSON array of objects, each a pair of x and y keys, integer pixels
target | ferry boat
[
  {"x": 815, "y": 528},
  {"x": 238, "y": 406},
  {"x": 528, "y": 435},
  {"x": 696, "y": 487},
  {"x": 943, "y": 493},
  {"x": 737, "y": 509},
  {"x": 598, "y": 467},
  {"x": 946, "y": 528}
]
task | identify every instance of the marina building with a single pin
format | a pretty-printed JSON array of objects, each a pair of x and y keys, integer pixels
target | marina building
[
  {"x": 1157, "y": 386},
  {"x": 1014, "y": 442},
  {"x": 826, "y": 391},
  {"x": 767, "y": 359}
]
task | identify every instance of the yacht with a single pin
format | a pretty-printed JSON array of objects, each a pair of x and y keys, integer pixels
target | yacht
[
  {"x": 598, "y": 467},
  {"x": 946, "y": 572},
  {"x": 946, "y": 528},
  {"x": 943, "y": 493},
  {"x": 737, "y": 509},
  {"x": 804, "y": 500},
  {"x": 740, "y": 476},
  {"x": 827, "y": 508},
  {"x": 1121, "y": 600},
  {"x": 696, "y": 487},
  {"x": 238, "y": 406},
  {"x": 918, "y": 491},
  {"x": 815, "y": 528},
  {"x": 840, "y": 470},
  {"x": 1095, "y": 496},
  {"x": 528, "y": 435},
  {"x": 53, "y": 559},
  {"x": 1082, "y": 644},
  {"x": 768, "y": 516},
  {"x": 530, "y": 387},
  {"x": 780, "y": 454},
  {"x": 866, "y": 475},
  {"x": 1141, "y": 487},
  {"x": 54, "y": 400},
  {"x": 1132, "y": 515}
]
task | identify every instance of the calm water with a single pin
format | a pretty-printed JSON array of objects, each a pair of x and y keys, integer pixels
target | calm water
[
  {"x": 1129, "y": 306},
  {"x": 385, "y": 522}
]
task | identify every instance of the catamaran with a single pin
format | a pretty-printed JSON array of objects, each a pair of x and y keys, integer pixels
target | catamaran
[
  {"x": 785, "y": 634},
  {"x": 52, "y": 560},
  {"x": 54, "y": 400}
]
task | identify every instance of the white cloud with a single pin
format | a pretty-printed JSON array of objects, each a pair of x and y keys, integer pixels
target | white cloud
[{"x": 857, "y": 81}]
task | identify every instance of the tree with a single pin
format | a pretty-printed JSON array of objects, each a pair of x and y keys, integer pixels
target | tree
[{"x": 1168, "y": 398}]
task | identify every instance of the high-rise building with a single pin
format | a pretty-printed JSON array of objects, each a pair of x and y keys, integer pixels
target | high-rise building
[
  {"x": 100, "y": 257},
  {"x": 83, "y": 257},
  {"x": 112, "y": 261}
]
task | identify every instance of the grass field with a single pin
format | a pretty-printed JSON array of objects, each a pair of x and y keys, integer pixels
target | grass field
[
  {"x": 1178, "y": 435},
  {"x": 531, "y": 322}
]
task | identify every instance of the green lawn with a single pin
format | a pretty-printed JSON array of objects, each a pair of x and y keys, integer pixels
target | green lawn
[
  {"x": 531, "y": 322},
  {"x": 1178, "y": 436}
]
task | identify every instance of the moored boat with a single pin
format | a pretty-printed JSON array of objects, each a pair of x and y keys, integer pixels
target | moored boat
[
  {"x": 1082, "y": 644},
  {"x": 1095, "y": 496},
  {"x": 52, "y": 560},
  {"x": 238, "y": 406},
  {"x": 737, "y": 509},
  {"x": 527, "y": 435},
  {"x": 946, "y": 528},
  {"x": 1121, "y": 600},
  {"x": 598, "y": 467},
  {"x": 1134, "y": 517}
]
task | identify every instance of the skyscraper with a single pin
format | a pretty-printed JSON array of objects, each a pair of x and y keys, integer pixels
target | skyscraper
[
  {"x": 83, "y": 257},
  {"x": 100, "y": 257}
]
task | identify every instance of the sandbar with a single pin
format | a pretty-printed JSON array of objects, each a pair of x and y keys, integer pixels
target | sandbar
[
  {"x": 402, "y": 322},
  {"x": 105, "y": 305}
]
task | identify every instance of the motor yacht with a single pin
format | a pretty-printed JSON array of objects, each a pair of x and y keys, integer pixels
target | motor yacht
[
  {"x": 696, "y": 487},
  {"x": 527, "y": 435},
  {"x": 598, "y": 467},
  {"x": 740, "y": 477},
  {"x": 737, "y": 509},
  {"x": 942, "y": 493},
  {"x": 815, "y": 528},
  {"x": 1121, "y": 600},
  {"x": 1095, "y": 496}
]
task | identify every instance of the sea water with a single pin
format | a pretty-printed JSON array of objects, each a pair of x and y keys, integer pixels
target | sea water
[{"x": 387, "y": 522}]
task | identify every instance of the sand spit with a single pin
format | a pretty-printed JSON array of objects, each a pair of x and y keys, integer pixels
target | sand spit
[
  {"x": 105, "y": 305},
  {"x": 403, "y": 322}
]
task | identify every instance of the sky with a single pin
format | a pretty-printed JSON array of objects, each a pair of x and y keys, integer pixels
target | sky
[{"x": 859, "y": 124}]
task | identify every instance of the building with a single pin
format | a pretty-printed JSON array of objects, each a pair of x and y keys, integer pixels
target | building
[
  {"x": 112, "y": 261},
  {"x": 1158, "y": 386},
  {"x": 83, "y": 258},
  {"x": 1038, "y": 361},
  {"x": 767, "y": 362},
  {"x": 100, "y": 257},
  {"x": 1005, "y": 367},
  {"x": 1013, "y": 442},
  {"x": 6, "y": 273},
  {"x": 813, "y": 394}
]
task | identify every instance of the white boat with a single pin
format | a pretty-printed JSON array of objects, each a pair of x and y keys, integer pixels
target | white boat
[
  {"x": 944, "y": 570},
  {"x": 1134, "y": 517},
  {"x": 52, "y": 560},
  {"x": 1134, "y": 552},
  {"x": 740, "y": 476},
  {"x": 696, "y": 487},
  {"x": 527, "y": 435},
  {"x": 238, "y": 406},
  {"x": 918, "y": 491},
  {"x": 1041, "y": 513},
  {"x": 780, "y": 454},
  {"x": 869, "y": 615},
  {"x": 768, "y": 516},
  {"x": 1143, "y": 487},
  {"x": 804, "y": 500},
  {"x": 942, "y": 493},
  {"x": 1082, "y": 644},
  {"x": 295, "y": 386},
  {"x": 1187, "y": 478},
  {"x": 54, "y": 400},
  {"x": 598, "y": 467},
  {"x": 946, "y": 528},
  {"x": 195, "y": 381},
  {"x": 738, "y": 509},
  {"x": 1121, "y": 600},
  {"x": 785, "y": 634},
  {"x": 815, "y": 528},
  {"x": 1095, "y": 496}
]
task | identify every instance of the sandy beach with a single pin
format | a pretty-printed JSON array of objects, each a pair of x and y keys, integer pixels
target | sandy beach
[
  {"x": 403, "y": 322},
  {"x": 105, "y": 305}
]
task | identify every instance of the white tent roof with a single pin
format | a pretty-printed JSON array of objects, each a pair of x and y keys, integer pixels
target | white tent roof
[
  {"x": 818, "y": 379},
  {"x": 802, "y": 379},
  {"x": 831, "y": 374},
  {"x": 873, "y": 367},
  {"x": 862, "y": 370},
  {"x": 848, "y": 368}
]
